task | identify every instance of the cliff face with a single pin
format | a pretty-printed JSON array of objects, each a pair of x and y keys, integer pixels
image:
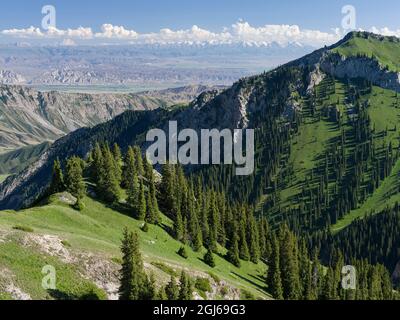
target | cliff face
[{"x": 361, "y": 67}]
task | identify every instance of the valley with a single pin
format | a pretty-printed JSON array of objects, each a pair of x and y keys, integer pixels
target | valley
[{"x": 327, "y": 163}]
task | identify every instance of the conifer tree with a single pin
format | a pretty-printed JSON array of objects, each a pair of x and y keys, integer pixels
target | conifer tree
[
  {"x": 131, "y": 180},
  {"x": 289, "y": 264},
  {"x": 117, "y": 162},
  {"x": 172, "y": 290},
  {"x": 213, "y": 223},
  {"x": 57, "y": 182},
  {"x": 186, "y": 289},
  {"x": 252, "y": 238},
  {"x": 141, "y": 206},
  {"x": 243, "y": 247},
  {"x": 110, "y": 185},
  {"x": 134, "y": 282},
  {"x": 139, "y": 161},
  {"x": 167, "y": 190},
  {"x": 161, "y": 294},
  {"x": 74, "y": 178},
  {"x": 233, "y": 248},
  {"x": 178, "y": 226},
  {"x": 152, "y": 204},
  {"x": 209, "y": 258},
  {"x": 274, "y": 279},
  {"x": 97, "y": 166}
]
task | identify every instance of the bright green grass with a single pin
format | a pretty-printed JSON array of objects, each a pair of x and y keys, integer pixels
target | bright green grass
[
  {"x": 3, "y": 177},
  {"x": 384, "y": 116},
  {"x": 387, "y": 53},
  {"x": 312, "y": 140},
  {"x": 26, "y": 266},
  {"x": 99, "y": 229}
]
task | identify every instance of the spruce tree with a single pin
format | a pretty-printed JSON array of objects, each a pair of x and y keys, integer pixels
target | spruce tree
[
  {"x": 172, "y": 290},
  {"x": 274, "y": 279},
  {"x": 131, "y": 180},
  {"x": 161, "y": 294},
  {"x": 186, "y": 288},
  {"x": 243, "y": 247},
  {"x": 110, "y": 184},
  {"x": 134, "y": 282},
  {"x": 167, "y": 190},
  {"x": 233, "y": 248},
  {"x": 139, "y": 161},
  {"x": 153, "y": 214},
  {"x": 97, "y": 166},
  {"x": 74, "y": 178},
  {"x": 141, "y": 206},
  {"x": 57, "y": 182},
  {"x": 209, "y": 258},
  {"x": 252, "y": 238},
  {"x": 289, "y": 264},
  {"x": 117, "y": 162}
]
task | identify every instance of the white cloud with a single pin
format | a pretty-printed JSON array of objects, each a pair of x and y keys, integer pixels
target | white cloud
[
  {"x": 32, "y": 32},
  {"x": 240, "y": 32},
  {"x": 386, "y": 31},
  {"x": 24, "y": 33},
  {"x": 109, "y": 31}
]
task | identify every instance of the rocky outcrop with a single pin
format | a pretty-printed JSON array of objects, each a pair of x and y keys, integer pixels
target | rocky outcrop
[{"x": 361, "y": 67}]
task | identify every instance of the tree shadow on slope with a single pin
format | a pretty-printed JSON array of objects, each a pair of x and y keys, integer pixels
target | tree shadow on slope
[{"x": 91, "y": 295}]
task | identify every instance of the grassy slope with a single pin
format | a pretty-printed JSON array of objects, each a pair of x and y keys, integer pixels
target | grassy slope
[
  {"x": 314, "y": 138},
  {"x": 384, "y": 115},
  {"x": 98, "y": 229},
  {"x": 3, "y": 177},
  {"x": 387, "y": 52},
  {"x": 15, "y": 161}
]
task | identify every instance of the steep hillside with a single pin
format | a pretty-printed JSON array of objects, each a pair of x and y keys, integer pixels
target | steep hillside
[
  {"x": 84, "y": 249},
  {"x": 326, "y": 138},
  {"x": 15, "y": 161},
  {"x": 29, "y": 117}
]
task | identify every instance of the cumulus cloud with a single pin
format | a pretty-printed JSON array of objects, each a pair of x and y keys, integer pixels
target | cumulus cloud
[
  {"x": 240, "y": 32},
  {"x": 51, "y": 33},
  {"x": 109, "y": 31},
  {"x": 386, "y": 32}
]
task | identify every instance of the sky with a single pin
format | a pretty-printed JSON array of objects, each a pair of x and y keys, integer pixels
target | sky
[{"x": 311, "y": 22}]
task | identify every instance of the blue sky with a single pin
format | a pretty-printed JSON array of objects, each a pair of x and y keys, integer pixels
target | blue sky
[
  {"x": 152, "y": 15},
  {"x": 254, "y": 22}
]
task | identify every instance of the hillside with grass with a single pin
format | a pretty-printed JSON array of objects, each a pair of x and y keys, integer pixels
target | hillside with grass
[
  {"x": 386, "y": 50},
  {"x": 327, "y": 163},
  {"x": 84, "y": 247}
]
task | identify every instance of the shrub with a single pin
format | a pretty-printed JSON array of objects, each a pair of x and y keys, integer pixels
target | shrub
[
  {"x": 246, "y": 295},
  {"x": 65, "y": 243},
  {"x": 203, "y": 284},
  {"x": 165, "y": 268},
  {"x": 182, "y": 252},
  {"x": 79, "y": 205},
  {"x": 145, "y": 227},
  {"x": 23, "y": 228},
  {"x": 214, "y": 277},
  {"x": 94, "y": 293}
]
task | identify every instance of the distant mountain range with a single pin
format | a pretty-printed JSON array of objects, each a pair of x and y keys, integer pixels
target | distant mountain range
[
  {"x": 140, "y": 66},
  {"x": 29, "y": 117}
]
